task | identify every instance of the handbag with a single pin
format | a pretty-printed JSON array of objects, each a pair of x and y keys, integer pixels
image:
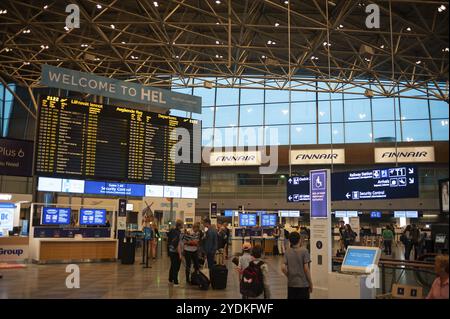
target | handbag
[{"x": 205, "y": 270}]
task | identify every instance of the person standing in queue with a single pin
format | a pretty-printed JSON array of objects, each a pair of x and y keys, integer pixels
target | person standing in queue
[
  {"x": 154, "y": 241},
  {"x": 173, "y": 241},
  {"x": 190, "y": 243},
  {"x": 415, "y": 240},
  {"x": 388, "y": 236},
  {"x": 406, "y": 239},
  {"x": 349, "y": 236},
  {"x": 296, "y": 268},
  {"x": 210, "y": 242},
  {"x": 227, "y": 239},
  {"x": 439, "y": 289}
]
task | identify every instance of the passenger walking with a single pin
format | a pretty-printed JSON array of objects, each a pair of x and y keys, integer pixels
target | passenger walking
[
  {"x": 406, "y": 239},
  {"x": 174, "y": 247},
  {"x": 349, "y": 236},
  {"x": 296, "y": 268},
  {"x": 155, "y": 240},
  {"x": 228, "y": 239},
  {"x": 439, "y": 289},
  {"x": 388, "y": 236},
  {"x": 210, "y": 242},
  {"x": 254, "y": 281},
  {"x": 415, "y": 240},
  {"x": 190, "y": 243}
]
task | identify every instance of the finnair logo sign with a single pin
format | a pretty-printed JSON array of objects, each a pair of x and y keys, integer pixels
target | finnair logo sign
[
  {"x": 235, "y": 158},
  {"x": 323, "y": 156},
  {"x": 404, "y": 154}
]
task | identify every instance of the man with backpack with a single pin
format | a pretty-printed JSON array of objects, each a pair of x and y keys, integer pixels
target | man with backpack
[
  {"x": 254, "y": 281},
  {"x": 296, "y": 269}
]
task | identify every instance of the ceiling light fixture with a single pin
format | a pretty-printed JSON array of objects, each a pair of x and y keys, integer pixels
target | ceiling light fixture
[
  {"x": 112, "y": 26},
  {"x": 123, "y": 42},
  {"x": 218, "y": 2},
  {"x": 3, "y": 11},
  {"x": 26, "y": 31},
  {"x": 156, "y": 4},
  {"x": 418, "y": 62},
  {"x": 46, "y": 7},
  {"x": 442, "y": 8},
  {"x": 408, "y": 29},
  {"x": 99, "y": 6},
  {"x": 44, "y": 47},
  {"x": 277, "y": 24}
]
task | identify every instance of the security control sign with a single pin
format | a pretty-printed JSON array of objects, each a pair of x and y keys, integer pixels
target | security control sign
[
  {"x": 16, "y": 157},
  {"x": 385, "y": 183}
]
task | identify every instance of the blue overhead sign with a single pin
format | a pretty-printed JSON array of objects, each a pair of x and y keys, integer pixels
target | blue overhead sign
[
  {"x": 319, "y": 199},
  {"x": 298, "y": 189},
  {"x": 72, "y": 80},
  {"x": 385, "y": 183},
  {"x": 115, "y": 189}
]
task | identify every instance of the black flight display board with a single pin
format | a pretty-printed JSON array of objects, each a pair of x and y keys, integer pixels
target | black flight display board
[
  {"x": 379, "y": 183},
  {"x": 81, "y": 139}
]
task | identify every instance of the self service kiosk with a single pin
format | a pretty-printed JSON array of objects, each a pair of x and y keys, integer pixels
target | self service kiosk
[{"x": 359, "y": 276}]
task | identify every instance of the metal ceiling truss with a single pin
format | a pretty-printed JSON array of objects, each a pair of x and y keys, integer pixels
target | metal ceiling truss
[{"x": 135, "y": 40}]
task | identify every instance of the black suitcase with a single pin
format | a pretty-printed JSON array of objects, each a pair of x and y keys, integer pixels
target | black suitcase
[
  {"x": 200, "y": 280},
  {"x": 219, "y": 276},
  {"x": 128, "y": 251}
]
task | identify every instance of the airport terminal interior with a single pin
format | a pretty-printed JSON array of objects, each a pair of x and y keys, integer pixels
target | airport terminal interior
[{"x": 224, "y": 149}]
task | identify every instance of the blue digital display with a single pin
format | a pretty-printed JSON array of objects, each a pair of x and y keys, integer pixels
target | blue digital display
[
  {"x": 268, "y": 220},
  {"x": 92, "y": 216},
  {"x": 115, "y": 189},
  {"x": 55, "y": 216},
  {"x": 247, "y": 220},
  {"x": 375, "y": 214},
  {"x": 228, "y": 213},
  {"x": 359, "y": 257}
]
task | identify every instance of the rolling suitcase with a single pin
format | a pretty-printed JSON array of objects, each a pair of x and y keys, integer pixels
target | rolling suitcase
[{"x": 219, "y": 276}]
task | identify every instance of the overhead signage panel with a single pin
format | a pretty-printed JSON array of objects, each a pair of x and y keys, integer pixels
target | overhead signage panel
[
  {"x": 250, "y": 158},
  {"x": 386, "y": 183},
  {"x": 16, "y": 157},
  {"x": 72, "y": 80},
  {"x": 319, "y": 156},
  {"x": 298, "y": 189},
  {"x": 419, "y": 154}
]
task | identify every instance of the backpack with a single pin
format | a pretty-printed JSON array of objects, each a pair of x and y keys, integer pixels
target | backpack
[
  {"x": 173, "y": 239},
  {"x": 252, "y": 282}
]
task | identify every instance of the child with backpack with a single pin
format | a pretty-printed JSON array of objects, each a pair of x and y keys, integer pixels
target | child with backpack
[
  {"x": 245, "y": 259},
  {"x": 254, "y": 281}
]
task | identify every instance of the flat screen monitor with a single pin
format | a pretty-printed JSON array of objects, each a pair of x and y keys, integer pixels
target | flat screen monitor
[
  {"x": 443, "y": 195},
  {"x": 268, "y": 220},
  {"x": 360, "y": 259},
  {"x": 440, "y": 238},
  {"x": 228, "y": 213},
  {"x": 7, "y": 211},
  {"x": 154, "y": 191},
  {"x": 75, "y": 186},
  {"x": 247, "y": 220},
  {"x": 399, "y": 214},
  {"x": 172, "y": 191},
  {"x": 92, "y": 216},
  {"x": 189, "y": 192},
  {"x": 375, "y": 214},
  {"x": 55, "y": 216},
  {"x": 48, "y": 184},
  {"x": 340, "y": 214},
  {"x": 412, "y": 214}
]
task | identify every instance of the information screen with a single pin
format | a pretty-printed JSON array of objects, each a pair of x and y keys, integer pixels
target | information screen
[
  {"x": 7, "y": 216},
  {"x": 298, "y": 189},
  {"x": 375, "y": 214},
  {"x": 55, "y": 216},
  {"x": 359, "y": 258},
  {"x": 88, "y": 140},
  {"x": 92, "y": 216},
  {"x": 388, "y": 183},
  {"x": 268, "y": 220},
  {"x": 247, "y": 220}
]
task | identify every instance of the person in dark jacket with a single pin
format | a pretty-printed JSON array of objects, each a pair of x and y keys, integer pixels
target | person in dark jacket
[
  {"x": 174, "y": 247},
  {"x": 210, "y": 242},
  {"x": 349, "y": 236}
]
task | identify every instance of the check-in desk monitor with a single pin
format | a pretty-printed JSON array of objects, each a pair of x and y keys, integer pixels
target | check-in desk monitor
[{"x": 360, "y": 259}]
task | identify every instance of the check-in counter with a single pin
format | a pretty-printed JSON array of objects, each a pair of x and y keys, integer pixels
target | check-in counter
[
  {"x": 13, "y": 248},
  {"x": 68, "y": 250}
]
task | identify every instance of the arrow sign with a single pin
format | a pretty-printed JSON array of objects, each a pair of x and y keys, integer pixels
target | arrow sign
[
  {"x": 348, "y": 195},
  {"x": 290, "y": 197},
  {"x": 411, "y": 170},
  {"x": 411, "y": 180},
  {"x": 290, "y": 180}
]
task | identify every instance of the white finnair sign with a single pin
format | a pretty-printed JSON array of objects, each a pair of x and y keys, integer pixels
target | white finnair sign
[
  {"x": 416, "y": 154},
  {"x": 250, "y": 158},
  {"x": 320, "y": 156}
]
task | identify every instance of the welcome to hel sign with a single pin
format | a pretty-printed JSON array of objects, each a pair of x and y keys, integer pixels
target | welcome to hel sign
[{"x": 127, "y": 91}]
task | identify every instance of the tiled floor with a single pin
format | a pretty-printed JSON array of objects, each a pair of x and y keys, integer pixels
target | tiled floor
[{"x": 114, "y": 280}]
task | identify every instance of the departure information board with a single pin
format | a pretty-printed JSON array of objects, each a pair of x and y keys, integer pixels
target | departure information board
[{"x": 95, "y": 141}]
